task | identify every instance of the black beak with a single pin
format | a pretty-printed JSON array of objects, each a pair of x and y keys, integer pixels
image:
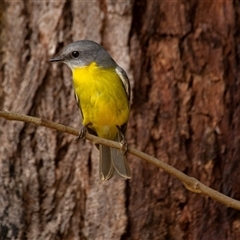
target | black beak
[{"x": 57, "y": 59}]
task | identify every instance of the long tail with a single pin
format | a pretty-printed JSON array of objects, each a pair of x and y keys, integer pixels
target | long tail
[
  {"x": 113, "y": 161},
  {"x": 105, "y": 164}
]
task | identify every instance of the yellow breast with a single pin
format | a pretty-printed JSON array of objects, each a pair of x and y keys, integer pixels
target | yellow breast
[{"x": 102, "y": 98}]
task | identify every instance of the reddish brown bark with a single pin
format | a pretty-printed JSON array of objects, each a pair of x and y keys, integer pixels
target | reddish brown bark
[{"x": 185, "y": 108}]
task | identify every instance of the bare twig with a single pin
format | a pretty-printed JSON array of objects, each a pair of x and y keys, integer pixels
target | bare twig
[{"x": 190, "y": 183}]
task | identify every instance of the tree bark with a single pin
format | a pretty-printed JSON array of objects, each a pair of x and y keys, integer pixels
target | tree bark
[{"x": 182, "y": 59}]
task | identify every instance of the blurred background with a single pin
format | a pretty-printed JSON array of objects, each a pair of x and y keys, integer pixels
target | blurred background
[{"x": 182, "y": 58}]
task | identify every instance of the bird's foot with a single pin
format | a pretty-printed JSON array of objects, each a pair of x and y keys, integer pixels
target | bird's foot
[
  {"x": 124, "y": 146},
  {"x": 82, "y": 133},
  {"x": 123, "y": 142}
]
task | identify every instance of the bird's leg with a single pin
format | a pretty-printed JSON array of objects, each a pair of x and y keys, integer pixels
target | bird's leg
[
  {"x": 123, "y": 142},
  {"x": 124, "y": 146},
  {"x": 84, "y": 130},
  {"x": 82, "y": 133}
]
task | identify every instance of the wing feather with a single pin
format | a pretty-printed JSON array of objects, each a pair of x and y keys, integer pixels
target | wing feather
[{"x": 125, "y": 81}]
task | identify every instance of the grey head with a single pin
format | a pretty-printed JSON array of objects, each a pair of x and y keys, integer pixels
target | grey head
[{"x": 83, "y": 53}]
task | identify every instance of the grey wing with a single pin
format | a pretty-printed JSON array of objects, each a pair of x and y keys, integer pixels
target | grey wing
[
  {"x": 78, "y": 103},
  {"x": 125, "y": 81}
]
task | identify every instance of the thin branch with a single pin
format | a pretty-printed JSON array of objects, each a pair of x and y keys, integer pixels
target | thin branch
[{"x": 190, "y": 183}]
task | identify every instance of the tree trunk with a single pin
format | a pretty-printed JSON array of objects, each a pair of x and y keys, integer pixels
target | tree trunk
[{"x": 182, "y": 59}]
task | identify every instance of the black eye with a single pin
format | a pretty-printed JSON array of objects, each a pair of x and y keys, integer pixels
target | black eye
[{"x": 75, "y": 54}]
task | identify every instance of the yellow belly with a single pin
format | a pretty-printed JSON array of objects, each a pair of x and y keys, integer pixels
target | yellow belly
[{"x": 102, "y": 97}]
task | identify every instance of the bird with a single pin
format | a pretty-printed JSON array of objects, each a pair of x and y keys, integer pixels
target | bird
[{"x": 102, "y": 91}]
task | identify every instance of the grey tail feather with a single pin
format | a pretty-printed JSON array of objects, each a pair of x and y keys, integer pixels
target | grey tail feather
[
  {"x": 105, "y": 165},
  {"x": 120, "y": 164},
  {"x": 112, "y": 160},
  {"x": 119, "y": 161}
]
